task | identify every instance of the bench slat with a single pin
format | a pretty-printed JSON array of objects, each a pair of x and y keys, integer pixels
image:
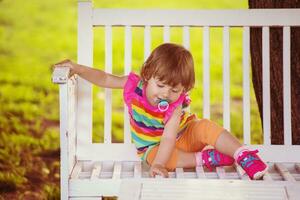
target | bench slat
[
  {"x": 179, "y": 173},
  {"x": 284, "y": 172},
  {"x": 221, "y": 172},
  {"x": 287, "y": 86},
  {"x": 166, "y": 34},
  {"x": 127, "y": 65},
  {"x": 266, "y": 85},
  {"x": 76, "y": 171},
  {"x": 226, "y": 78},
  {"x": 108, "y": 92},
  {"x": 137, "y": 170},
  {"x": 200, "y": 172},
  {"x": 206, "y": 73},
  {"x": 117, "y": 170},
  {"x": 96, "y": 170},
  {"x": 246, "y": 86}
]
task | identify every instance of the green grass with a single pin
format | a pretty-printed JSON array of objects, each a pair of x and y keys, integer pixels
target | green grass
[{"x": 36, "y": 34}]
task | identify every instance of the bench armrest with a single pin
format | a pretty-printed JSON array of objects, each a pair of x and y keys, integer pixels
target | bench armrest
[{"x": 60, "y": 75}]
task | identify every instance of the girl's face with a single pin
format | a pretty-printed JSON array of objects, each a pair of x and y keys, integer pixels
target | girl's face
[{"x": 157, "y": 90}]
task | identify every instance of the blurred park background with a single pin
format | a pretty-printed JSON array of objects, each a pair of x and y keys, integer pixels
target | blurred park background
[{"x": 36, "y": 34}]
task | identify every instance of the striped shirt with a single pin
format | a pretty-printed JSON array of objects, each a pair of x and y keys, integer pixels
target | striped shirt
[{"x": 146, "y": 121}]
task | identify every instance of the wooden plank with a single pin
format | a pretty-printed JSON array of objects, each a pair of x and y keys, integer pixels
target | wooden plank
[
  {"x": 108, "y": 92},
  {"x": 166, "y": 34},
  {"x": 287, "y": 86},
  {"x": 186, "y": 37},
  {"x": 76, "y": 170},
  {"x": 156, "y": 17},
  {"x": 127, "y": 65},
  {"x": 267, "y": 177},
  {"x": 84, "y": 90},
  {"x": 137, "y": 170},
  {"x": 284, "y": 172},
  {"x": 266, "y": 85},
  {"x": 121, "y": 152},
  {"x": 117, "y": 170},
  {"x": 200, "y": 172},
  {"x": 130, "y": 190},
  {"x": 96, "y": 170},
  {"x": 293, "y": 191},
  {"x": 193, "y": 189},
  {"x": 179, "y": 173},
  {"x": 246, "y": 86},
  {"x": 221, "y": 172},
  {"x": 206, "y": 73},
  {"x": 63, "y": 127},
  {"x": 226, "y": 78},
  {"x": 147, "y": 42}
]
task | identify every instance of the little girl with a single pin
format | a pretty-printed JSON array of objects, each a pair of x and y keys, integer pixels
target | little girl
[{"x": 166, "y": 136}]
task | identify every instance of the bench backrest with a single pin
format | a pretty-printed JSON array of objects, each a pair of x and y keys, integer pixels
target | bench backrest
[{"x": 89, "y": 17}]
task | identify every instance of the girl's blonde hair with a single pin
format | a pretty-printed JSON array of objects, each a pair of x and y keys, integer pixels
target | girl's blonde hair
[{"x": 172, "y": 64}]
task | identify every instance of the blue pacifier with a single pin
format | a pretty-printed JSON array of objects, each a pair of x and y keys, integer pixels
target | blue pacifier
[{"x": 163, "y": 105}]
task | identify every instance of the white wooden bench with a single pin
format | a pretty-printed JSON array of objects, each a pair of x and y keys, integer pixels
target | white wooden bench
[{"x": 93, "y": 170}]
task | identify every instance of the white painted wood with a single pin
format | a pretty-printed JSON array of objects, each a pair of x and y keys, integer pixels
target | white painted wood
[
  {"x": 206, "y": 73},
  {"x": 293, "y": 191},
  {"x": 127, "y": 64},
  {"x": 166, "y": 34},
  {"x": 287, "y": 86},
  {"x": 284, "y": 172},
  {"x": 200, "y": 172},
  {"x": 64, "y": 168},
  {"x": 179, "y": 173},
  {"x": 108, "y": 92},
  {"x": 86, "y": 198},
  {"x": 130, "y": 191},
  {"x": 96, "y": 170},
  {"x": 246, "y": 86},
  {"x": 60, "y": 75},
  {"x": 201, "y": 189},
  {"x": 117, "y": 152},
  {"x": 221, "y": 172},
  {"x": 226, "y": 78},
  {"x": 266, "y": 85},
  {"x": 251, "y": 17},
  {"x": 117, "y": 170},
  {"x": 278, "y": 153},
  {"x": 76, "y": 170},
  {"x": 84, "y": 91},
  {"x": 267, "y": 177},
  {"x": 147, "y": 42},
  {"x": 186, "y": 37},
  {"x": 72, "y": 113},
  {"x": 94, "y": 187},
  {"x": 137, "y": 169}
]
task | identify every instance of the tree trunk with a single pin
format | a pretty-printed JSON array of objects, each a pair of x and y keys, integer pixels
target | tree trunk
[{"x": 276, "y": 72}]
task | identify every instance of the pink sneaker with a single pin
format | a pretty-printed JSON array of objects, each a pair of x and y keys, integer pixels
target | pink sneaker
[
  {"x": 213, "y": 158},
  {"x": 252, "y": 164}
]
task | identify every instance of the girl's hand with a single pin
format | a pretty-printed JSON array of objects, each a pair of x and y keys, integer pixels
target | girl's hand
[
  {"x": 67, "y": 63},
  {"x": 158, "y": 169}
]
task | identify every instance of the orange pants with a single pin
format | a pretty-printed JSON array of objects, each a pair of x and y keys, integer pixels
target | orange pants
[{"x": 195, "y": 137}]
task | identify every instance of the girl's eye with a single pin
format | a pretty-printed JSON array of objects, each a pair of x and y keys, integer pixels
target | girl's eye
[
  {"x": 161, "y": 86},
  {"x": 175, "y": 91}
]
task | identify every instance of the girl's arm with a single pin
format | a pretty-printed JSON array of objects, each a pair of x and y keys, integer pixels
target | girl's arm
[
  {"x": 167, "y": 143},
  {"x": 95, "y": 76}
]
